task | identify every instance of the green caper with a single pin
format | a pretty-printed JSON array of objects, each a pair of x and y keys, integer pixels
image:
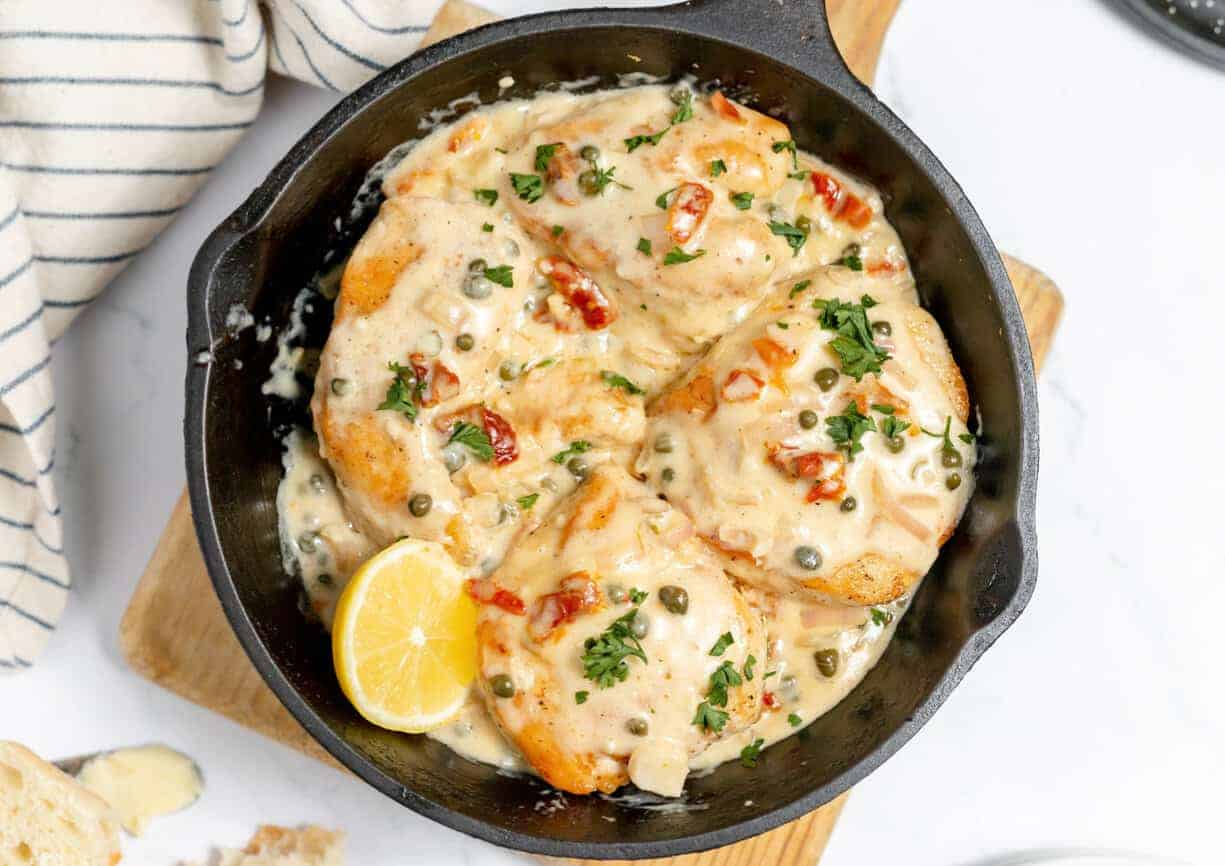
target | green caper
[
  {"x": 589, "y": 152},
  {"x": 578, "y": 467},
  {"x": 340, "y": 387},
  {"x": 637, "y": 727},
  {"x": 477, "y": 266},
  {"x": 827, "y": 661},
  {"x": 669, "y": 474},
  {"x": 808, "y": 419},
  {"x": 882, "y": 329},
  {"x": 675, "y": 599},
  {"x": 640, "y": 625},
  {"x": 509, "y": 371},
  {"x": 477, "y": 287},
  {"x": 808, "y": 558},
  {"x": 849, "y": 504},
  {"x": 307, "y": 541},
  {"x": 317, "y": 483},
  {"x": 616, "y": 593},
  {"x": 851, "y": 250},
  {"x": 453, "y": 458},
  {"x": 953, "y": 481},
  {"x": 324, "y": 579},
  {"x": 826, "y": 378},
  {"x": 788, "y": 683},
  {"x": 419, "y": 504},
  {"x": 502, "y": 686},
  {"x": 465, "y": 342},
  {"x": 951, "y": 458},
  {"x": 678, "y": 95},
  {"x": 663, "y": 443},
  {"x": 589, "y": 182},
  {"x": 804, "y": 224},
  {"x": 895, "y": 443}
]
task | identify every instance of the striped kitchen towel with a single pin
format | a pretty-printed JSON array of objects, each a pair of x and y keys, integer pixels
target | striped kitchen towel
[{"x": 112, "y": 114}]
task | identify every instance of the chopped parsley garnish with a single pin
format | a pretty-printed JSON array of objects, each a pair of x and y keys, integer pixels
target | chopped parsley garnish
[
  {"x": 799, "y": 175},
  {"x": 604, "y": 657},
  {"x": 684, "y": 108},
  {"x": 616, "y": 380},
  {"x": 602, "y": 177},
  {"x": 848, "y": 428},
  {"x": 967, "y": 438},
  {"x": 526, "y": 502},
  {"x": 709, "y": 718},
  {"x": 748, "y": 667},
  {"x": 854, "y": 346},
  {"x": 677, "y": 256},
  {"x": 782, "y": 326},
  {"x": 529, "y": 187},
  {"x": 544, "y": 152},
  {"x": 637, "y": 596},
  {"x": 661, "y": 201},
  {"x": 724, "y": 678},
  {"x": 882, "y": 408},
  {"x": 637, "y": 141},
  {"x": 404, "y": 392},
  {"x": 486, "y": 196},
  {"x": 750, "y": 753},
  {"x": 717, "y": 167},
  {"x": 852, "y": 261},
  {"x": 725, "y": 640},
  {"x": 947, "y": 445},
  {"x": 796, "y": 237},
  {"x": 742, "y": 200},
  {"x": 501, "y": 275},
  {"x": 769, "y": 674},
  {"x": 794, "y": 720},
  {"x": 580, "y": 697},
  {"x": 474, "y": 439},
  {"x": 881, "y": 617},
  {"x": 558, "y": 230},
  {"x": 891, "y": 427},
  {"x": 501, "y": 150},
  {"x": 789, "y": 144},
  {"x": 487, "y": 227},
  {"x": 799, "y": 287},
  {"x": 578, "y": 446},
  {"x": 644, "y": 246}
]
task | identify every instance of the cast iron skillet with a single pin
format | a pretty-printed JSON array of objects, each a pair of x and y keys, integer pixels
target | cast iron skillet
[{"x": 779, "y": 55}]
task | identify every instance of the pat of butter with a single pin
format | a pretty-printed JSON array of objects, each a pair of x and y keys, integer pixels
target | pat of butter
[{"x": 142, "y": 783}]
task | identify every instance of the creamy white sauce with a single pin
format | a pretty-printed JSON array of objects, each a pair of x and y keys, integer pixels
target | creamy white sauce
[{"x": 666, "y": 323}]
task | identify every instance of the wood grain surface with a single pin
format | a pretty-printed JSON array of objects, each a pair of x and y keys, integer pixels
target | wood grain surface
[{"x": 175, "y": 633}]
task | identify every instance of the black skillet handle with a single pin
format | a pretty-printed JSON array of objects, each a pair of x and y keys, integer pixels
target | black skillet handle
[{"x": 797, "y": 32}]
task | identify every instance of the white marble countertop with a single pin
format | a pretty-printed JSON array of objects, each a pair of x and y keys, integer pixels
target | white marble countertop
[{"x": 1090, "y": 150}]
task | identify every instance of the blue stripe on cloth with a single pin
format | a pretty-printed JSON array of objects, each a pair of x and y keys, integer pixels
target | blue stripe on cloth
[
  {"x": 4, "y": 223},
  {"x": 130, "y": 82},
  {"x": 88, "y": 260},
  {"x": 347, "y": 52},
  {"x": 34, "y": 425},
  {"x": 241, "y": 18},
  {"x": 21, "y": 377},
  {"x": 29, "y": 527},
  {"x": 110, "y": 37},
  {"x": 127, "y": 127},
  {"x": 22, "y": 325},
  {"x": 247, "y": 55},
  {"x": 322, "y": 78},
  {"x": 101, "y": 215},
  {"x": 411, "y": 28},
  {"x": 17, "y": 272},
  {"x": 25, "y": 614},
  {"x": 14, "y": 477},
  {"x": 69, "y": 305},
  {"x": 61, "y": 169},
  {"x": 33, "y": 572},
  {"x": 276, "y": 49}
]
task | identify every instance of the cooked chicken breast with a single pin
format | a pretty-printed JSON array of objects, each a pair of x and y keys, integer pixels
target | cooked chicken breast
[
  {"x": 821, "y": 450},
  {"x": 612, "y": 646}
]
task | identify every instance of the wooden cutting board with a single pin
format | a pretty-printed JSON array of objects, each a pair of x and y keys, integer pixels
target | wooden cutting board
[{"x": 175, "y": 633}]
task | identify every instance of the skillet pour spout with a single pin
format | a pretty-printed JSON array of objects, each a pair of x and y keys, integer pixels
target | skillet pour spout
[{"x": 779, "y": 56}]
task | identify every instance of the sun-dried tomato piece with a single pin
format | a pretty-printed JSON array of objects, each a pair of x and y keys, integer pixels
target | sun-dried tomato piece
[
  {"x": 580, "y": 292},
  {"x": 842, "y": 204},
  {"x": 578, "y": 594},
  {"x": 741, "y": 385},
  {"x": 485, "y": 591},
  {"x": 724, "y": 107},
  {"x": 688, "y": 209},
  {"x": 501, "y": 437}
]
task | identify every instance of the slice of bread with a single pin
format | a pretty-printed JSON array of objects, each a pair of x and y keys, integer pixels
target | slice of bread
[
  {"x": 48, "y": 819},
  {"x": 283, "y": 846}
]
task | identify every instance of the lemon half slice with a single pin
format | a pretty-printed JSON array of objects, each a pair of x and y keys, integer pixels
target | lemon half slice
[{"x": 404, "y": 638}]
